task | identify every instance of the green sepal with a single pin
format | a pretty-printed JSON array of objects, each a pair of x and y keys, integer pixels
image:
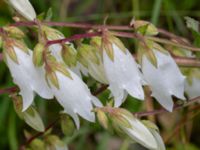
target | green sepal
[
  {"x": 9, "y": 50},
  {"x": 102, "y": 118},
  {"x": 146, "y": 50},
  {"x": 51, "y": 76},
  {"x": 14, "y": 32}
]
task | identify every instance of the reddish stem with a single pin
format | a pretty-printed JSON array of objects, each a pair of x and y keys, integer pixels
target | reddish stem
[
  {"x": 8, "y": 90},
  {"x": 162, "y": 110},
  {"x": 73, "y": 38},
  {"x": 73, "y": 25}
]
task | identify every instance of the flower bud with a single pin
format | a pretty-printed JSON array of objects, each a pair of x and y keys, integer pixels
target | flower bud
[
  {"x": 51, "y": 34},
  {"x": 54, "y": 143},
  {"x": 69, "y": 55},
  {"x": 126, "y": 124},
  {"x": 30, "y": 116},
  {"x": 86, "y": 54},
  {"x": 67, "y": 125},
  {"x": 37, "y": 144},
  {"x": 144, "y": 27},
  {"x": 38, "y": 55},
  {"x": 14, "y": 32}
]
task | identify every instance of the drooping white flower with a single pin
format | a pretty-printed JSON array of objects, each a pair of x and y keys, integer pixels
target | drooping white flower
[
  {"x": 74, "y": 95},
  {"x": 164, "y": 80},
  {"x": 27, "y": 77},
  {"x": 24, "y": 8},
  {"x": 123, "y": 75},
  {"x": 193, "y": 89}
]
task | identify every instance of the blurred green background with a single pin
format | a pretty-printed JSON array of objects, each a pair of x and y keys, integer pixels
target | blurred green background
[{"x": 167, "y": 14}]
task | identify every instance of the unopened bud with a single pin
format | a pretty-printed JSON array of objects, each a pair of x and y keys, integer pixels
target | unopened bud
[
  {"x": 30, "y": 116},
  {"x": 14, "y": 32},
  {"x": 86, "y": 54},
  {"x": 67, "y": 125},
  {"x": 54, "y": 143},
  {"x": 144, "y": 27},
  {"x": 38, "y": 55},
  {"x": 69, "y": 55},
  {"x": 37, "y": 144},
  {"x": 52, "y": 34}
]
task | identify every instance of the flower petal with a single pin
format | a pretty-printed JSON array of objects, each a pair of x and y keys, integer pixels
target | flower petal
[
  {"x": 24, "y": 8},
  {"x": 21, "y": 78},
  {"x": 74, "y": 96},
  {"x": 193, "y": 90},
  {"x": 165, "y": 80},
  {"x": 123, "y": 74}
]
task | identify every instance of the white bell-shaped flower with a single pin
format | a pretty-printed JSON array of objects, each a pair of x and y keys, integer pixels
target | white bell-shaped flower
[
  {"x": 193, "y": 89},
  {"x": 24, "y": 8},
  {"x": 123, "y": 75},
  {"x": 74, "y": 95},
  {"x": 164, "y": 80},
  {"x": 27, "y": 77}
]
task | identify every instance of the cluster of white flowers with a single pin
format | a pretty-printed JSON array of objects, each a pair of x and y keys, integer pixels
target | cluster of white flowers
[{"x": 106, "y": 60}]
